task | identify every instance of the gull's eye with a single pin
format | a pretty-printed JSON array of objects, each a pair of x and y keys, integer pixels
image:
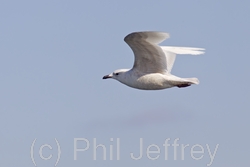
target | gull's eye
[{"x": 117, "y": 73}]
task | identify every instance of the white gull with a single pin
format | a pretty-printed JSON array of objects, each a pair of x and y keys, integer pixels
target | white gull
[{"x": 153, "y": 63}]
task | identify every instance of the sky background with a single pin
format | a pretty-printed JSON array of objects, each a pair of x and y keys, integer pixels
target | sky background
[{"x": 53, "y": 55}]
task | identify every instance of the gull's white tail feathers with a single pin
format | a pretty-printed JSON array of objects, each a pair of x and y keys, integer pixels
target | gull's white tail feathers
[
  {"x": 192, "y": 80},
  {"x": 183, "y": 50}
]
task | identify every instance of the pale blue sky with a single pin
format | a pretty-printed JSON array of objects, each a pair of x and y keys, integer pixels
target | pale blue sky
[{"x": 55, "y": 53}]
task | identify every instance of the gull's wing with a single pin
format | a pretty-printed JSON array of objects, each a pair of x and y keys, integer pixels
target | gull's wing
[
  {"x": 171, "y": 51},
  {"x": 183, "y": 50},
  {"x": 170, "y": 57},
  {"x": 149, "y": 57}
]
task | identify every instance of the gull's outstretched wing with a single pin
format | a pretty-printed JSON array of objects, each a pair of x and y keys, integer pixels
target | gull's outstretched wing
[
  {"x": 171, "y": 51},
  {"x": 149, "y": 57},
  {"x": 170, "y": 57}
]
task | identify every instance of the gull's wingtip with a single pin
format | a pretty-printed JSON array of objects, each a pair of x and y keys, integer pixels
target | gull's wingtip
[{"x": 184, "y": 50}]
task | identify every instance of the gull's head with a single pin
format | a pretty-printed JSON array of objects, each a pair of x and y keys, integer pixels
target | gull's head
[{"x": 119, "y": 75}]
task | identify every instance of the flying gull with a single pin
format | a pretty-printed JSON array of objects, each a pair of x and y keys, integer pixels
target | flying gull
[{"x": 153, "y": 63}]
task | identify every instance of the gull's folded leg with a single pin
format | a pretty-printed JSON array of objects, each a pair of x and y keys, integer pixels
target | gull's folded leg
[{"x": 184, "y": 85}]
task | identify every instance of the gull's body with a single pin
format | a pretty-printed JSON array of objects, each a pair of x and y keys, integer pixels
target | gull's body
[{"x": 153, "y": 63}]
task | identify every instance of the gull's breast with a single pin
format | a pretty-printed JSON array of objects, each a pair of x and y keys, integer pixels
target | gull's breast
[{"x": 153, "y": 81}]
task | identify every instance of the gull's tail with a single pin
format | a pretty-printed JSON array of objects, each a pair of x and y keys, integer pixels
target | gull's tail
[{"x": 192, "y": 80}]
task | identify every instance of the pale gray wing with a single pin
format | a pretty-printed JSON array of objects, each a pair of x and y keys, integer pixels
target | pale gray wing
[
  {"x": 170, "y": 57},
  {"x": 171, "y": 51},
  {"x": 184, "y": 50},
  {"x": 149, "y": 57}
]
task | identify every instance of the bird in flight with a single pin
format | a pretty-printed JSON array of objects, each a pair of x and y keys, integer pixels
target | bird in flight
[{"x": 153, "y": 63}]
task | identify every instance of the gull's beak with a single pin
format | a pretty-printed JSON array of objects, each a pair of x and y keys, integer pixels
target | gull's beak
[{"x": 106, "y": 77}]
